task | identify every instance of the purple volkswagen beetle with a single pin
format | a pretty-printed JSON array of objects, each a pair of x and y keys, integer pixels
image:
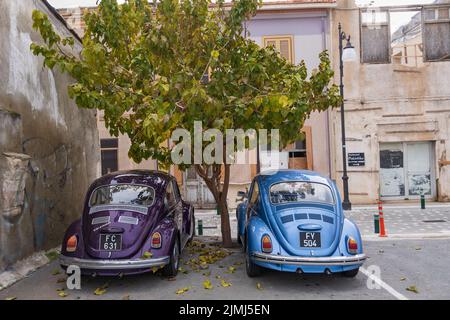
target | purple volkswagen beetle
[{"x": 132, "y": 222}]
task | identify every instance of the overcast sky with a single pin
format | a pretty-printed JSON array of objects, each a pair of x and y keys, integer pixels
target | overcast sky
[{"x": 86, "y": 3}]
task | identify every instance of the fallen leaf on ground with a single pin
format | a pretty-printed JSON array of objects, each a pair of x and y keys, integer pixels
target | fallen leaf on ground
[
  {"x": 182, "y": 290},
  {"x": 62, "y": 294},
  {"x": 99, "y": 291},
  {"x": 380, "y": 251},
  {"x": 127, "y": 297},
  {"x": 225, "y": 284},
  {"x": 412, "y": 289},
  {"x": 10, "y": 298},
  {"x": 61, "y": 280},
  {"x": 402, "y": 279},
  {"x": 218, "y": 277},
  {"x": 259, "y": 286},
  {"x": 155, "y": 269},
  {"x": 231, "y": 269},
  {"x": 171, "y": 279},
  {"x": 56, "y": 272},
  {"x": 207, "y": 284},
  {"x": 147, "y": 255},
  {"x": 206, "y": 274},
  {"x": 418, "y": 249}
]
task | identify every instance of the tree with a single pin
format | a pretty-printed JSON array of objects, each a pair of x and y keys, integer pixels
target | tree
[{"x": 144, "y": 63}]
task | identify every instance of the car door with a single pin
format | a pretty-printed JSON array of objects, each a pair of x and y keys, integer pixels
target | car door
[{"x": 174, "y": 205}]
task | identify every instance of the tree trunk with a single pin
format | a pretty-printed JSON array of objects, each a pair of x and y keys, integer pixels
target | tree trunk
[{"x": 220, "y": 193}]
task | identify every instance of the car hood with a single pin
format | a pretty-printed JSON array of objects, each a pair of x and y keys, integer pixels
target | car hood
[{"x": 133, "y": 223}]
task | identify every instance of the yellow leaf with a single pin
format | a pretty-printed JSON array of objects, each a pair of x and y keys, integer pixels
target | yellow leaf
[
  {"x": 182, "y": 290},
  {"x": 99, "y": 291},
  {"x": 10, "y": 298},
  {"x": 225, "y": 284},
  {"x": 147, "y": 255},
  {"x": 259, "y": 286},
  {"x": 155, "y": 269},
  {"x": 207, "y": 284},
  {"x": 62, "y": 294},
  {"x": 412, "y": 289},
  {"x": 402, "y": 279},
  {"x": 231, "y": 269}
]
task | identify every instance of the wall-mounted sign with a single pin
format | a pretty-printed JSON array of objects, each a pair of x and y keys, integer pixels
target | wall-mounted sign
[{"x": 357, "y": 159}]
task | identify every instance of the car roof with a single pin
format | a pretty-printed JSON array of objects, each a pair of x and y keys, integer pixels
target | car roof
[
  {"x": 268, "y": 178},
  {"x": 144, "y": 177}
]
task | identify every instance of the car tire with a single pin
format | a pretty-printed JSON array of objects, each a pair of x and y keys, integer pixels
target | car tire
[
  {"x": 171, "y": 269},
  {"x": 351, "y": 273},
  {"x": 251, "y": 268}
]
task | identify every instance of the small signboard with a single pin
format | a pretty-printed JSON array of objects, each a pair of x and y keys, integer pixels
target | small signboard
[{"x": 357, "y": 159}]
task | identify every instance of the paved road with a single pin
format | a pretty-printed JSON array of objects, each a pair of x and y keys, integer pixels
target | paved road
[
  {"x": 399, "y": 220},
  {"x": 403, "y": 263}
]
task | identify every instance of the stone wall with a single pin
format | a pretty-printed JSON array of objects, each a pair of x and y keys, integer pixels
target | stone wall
[{"x": 49, "y": 149}]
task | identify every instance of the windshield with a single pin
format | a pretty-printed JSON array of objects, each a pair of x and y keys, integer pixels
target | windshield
[
  {"x": 289, "y": 192},
  {"x": 122, "y": 194}
]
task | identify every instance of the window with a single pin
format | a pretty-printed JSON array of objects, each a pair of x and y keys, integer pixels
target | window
[
  {"x": 282, "y": 44},
  {"x": 122, "y": 194},
  {"x": 170, "y": 195},
  {"x": 297, "y": 191},
  {"x": 436, "y": 33},
  {"x": 410, "y": 35},
  {"x": 109, "y": 155},
  {"x": 255, "y": 195},
  {"x": 300, "y": 152},
  {"x": 176, "y": 191},
  {"x": 375, "y": 36}
]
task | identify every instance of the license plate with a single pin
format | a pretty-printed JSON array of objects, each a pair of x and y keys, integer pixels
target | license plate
[
  {"x": 111, "y": 242},
  {"x": 310, "y": 240}
]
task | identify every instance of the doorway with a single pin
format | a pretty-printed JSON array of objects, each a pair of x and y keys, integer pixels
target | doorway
[
  {"x": 196, "y": 191},
  {"x": 406, "y": 170}
]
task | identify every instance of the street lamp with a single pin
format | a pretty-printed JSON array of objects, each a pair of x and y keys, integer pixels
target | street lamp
[{"x": 347, "y": 54}]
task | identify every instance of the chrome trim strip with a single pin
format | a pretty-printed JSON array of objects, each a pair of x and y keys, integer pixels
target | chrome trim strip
[
  {"x": 111, "y": 207},
  {"x": 302, "y": 261},
  {"x": 101, "y": 220},
  {"x": 113, "y": 264},
  {"x": 128, "y": 220}
]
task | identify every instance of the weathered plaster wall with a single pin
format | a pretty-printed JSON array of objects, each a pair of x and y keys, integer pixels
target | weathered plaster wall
[
  {"x": 388, "y": 103},
  {"x": 48, "y": 146}
]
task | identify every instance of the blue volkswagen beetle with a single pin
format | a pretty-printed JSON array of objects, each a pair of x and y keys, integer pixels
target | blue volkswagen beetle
[{"x": 293, "y": 221}]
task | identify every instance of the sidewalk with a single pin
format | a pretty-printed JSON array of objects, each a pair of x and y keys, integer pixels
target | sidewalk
[{"x": 401, "y": 221}]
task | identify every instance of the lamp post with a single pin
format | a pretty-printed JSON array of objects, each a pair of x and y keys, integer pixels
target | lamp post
[{"x": 346, "y": 53}]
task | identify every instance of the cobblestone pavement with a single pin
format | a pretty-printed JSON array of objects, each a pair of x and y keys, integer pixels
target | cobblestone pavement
[{"x": 399, "y": 220}]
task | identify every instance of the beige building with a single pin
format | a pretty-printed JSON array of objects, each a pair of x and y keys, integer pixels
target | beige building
[
  {"x": 300, "y": 30},
  {"x": 397, "y": 104}
]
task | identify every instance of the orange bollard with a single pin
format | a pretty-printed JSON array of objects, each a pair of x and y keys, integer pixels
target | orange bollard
[{"x": 382, "y": 228}]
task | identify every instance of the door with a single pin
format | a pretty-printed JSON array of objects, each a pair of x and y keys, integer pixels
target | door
[
  {"x": 196, "y": 191},
  {"x": 406, "y": 170}
]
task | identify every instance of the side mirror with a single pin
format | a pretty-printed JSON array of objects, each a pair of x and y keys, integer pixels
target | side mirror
[{"x": 242, "y": 194}]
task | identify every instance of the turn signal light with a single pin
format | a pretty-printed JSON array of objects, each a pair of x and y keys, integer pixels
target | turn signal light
[
  {"x": 352, "y": 246},
  {"x": 72, "y": 243},
  {"x": 266, "y": 244},
  {"x": 156, "y": 240}
]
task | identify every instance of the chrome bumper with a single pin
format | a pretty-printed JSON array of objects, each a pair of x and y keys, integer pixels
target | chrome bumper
[
  {"x": 113, "y": 264},
  {"x": 310, "y": 261}
]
